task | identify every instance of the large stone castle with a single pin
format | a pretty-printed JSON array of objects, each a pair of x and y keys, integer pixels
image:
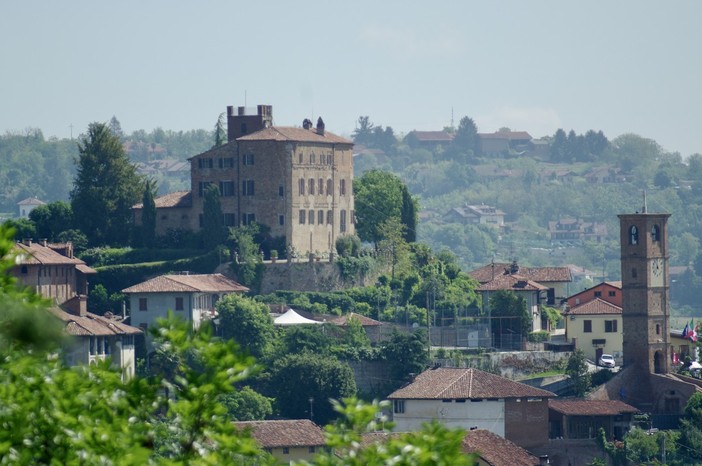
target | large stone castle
[{"x": 296, "y": 180}]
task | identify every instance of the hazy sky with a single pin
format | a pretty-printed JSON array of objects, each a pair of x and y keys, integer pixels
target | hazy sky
[{"x": 618, "y": 66}]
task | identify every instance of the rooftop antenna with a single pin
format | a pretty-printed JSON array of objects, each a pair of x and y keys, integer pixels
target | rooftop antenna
[
  {"x": 644, "y": 206},
  {"x": 451, "y": 117}
]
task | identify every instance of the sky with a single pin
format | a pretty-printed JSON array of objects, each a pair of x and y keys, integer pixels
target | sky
[{"x": 620, "y": 67}]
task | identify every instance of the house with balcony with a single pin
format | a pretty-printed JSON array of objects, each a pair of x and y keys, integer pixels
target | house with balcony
[
  {"x": 575, "y": 230},
  {"x": 190, "y": 297},
  {"x": 51, "y": 271},
  {"x": 473, "y": 399},
  {"x": 476, "y": 215}
]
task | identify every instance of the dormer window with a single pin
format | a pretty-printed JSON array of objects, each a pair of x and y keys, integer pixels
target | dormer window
[{"x": 633, "y": 235}]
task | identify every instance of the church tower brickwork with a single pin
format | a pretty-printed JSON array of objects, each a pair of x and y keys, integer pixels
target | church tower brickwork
[{"x": 645, "y": 291}]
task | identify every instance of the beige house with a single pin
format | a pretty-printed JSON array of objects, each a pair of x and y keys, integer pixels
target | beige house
[
  {"x": 190, "y": 297},
  {"x": 296, "y": 180},
  {"x": 53, "y": 272},
  {"x": 26, "y": 206},
  {"x": 476, "y": 215},
  {"x": 287, "y": 441},
  {"x": 595, "y": 327},
  {"x": 470, "y": 398}
]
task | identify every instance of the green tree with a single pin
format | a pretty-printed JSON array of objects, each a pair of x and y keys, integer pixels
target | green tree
[
  {"x": 393, "y": 245},
  {"x": 21, "y": 227},
  {"x": 466, "y": 138},
  {"x": 516, "y": 317},
  {"x": 377, "y": 197},
  {"x": 148, "y": 214},
  {"x": 247, "y": 263},
  {"x": 363, "y": 133},
  {"x": 407, "y": 354},
  {"x": 577, "y": 370},
  {"x": 213, "y": 229},
  {"x": 105, "y": 189},
  {"x": 305, "y": 338},
  {"x": 304, "y": 382},
  {"x": 247, "y": 322},
  {"x": 245, "y": 404},
  {"x": 408, "y": 215},
  {"x": 220, "y": 132},
  {"x": 52, "y": 219},
  {"x": 691, "y": 430}
]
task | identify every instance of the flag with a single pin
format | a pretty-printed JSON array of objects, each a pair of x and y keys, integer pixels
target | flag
[
  {"x": 686, "y": 331},
  {"x": 693, "y": 333}
]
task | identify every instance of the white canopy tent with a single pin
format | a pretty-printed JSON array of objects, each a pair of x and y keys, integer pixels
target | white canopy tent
[{"x": 293, "y": 318}]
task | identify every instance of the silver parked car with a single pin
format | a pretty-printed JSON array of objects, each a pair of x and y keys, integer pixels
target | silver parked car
[{"x": 606, "y": 360}]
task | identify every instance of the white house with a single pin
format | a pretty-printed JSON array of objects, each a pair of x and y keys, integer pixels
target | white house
[
  {"x": 471, "y": 398},
  {"x": 26, "y": 206},
  {"x": 191, "y": 297}
]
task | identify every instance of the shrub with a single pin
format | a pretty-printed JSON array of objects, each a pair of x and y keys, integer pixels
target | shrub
[{"x": 538, "y": 336}]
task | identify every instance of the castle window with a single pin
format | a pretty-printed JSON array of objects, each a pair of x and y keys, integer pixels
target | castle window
[
  {"x": 322, "y": 159},
  {"x": 342, "y": 188},
  {"x": 226, "y": 188},
  {"x": 281, "y": 219},
  {"x": 226, "y": 162},
  {"x": 229, "y": 220},
  {"x": 303, "y": 216},
  {"x": 311, "y": 183},
  {"x": 633, "y": 235},
  {"x": 301, "y": 184},
  {"x": 330, "y": 159},
  {"x": 655, "y": 234},
  {"x": 320, "y": 187},
  {"x": 342, "y": 221},
  {"x": 587, "y": 326},
  {"x": 281, "y": 191},
  {"x": 299, "y": 158},
  {"x": 248, "y": 219},
  {"x": 248, "y": 186},
  {"x": 244, "y": 128},
  {"x": 658, "y": 329},
  {"x": 330, "y": 217},
  {"x": 330, "y": 187},
  {"x": 248, "y": 159},
  {"x": 204, "y": 163},
  {"x": 312, "y": 158},
  {"x": 320, "y": 217},
  {"x": 311, "y": 217}
]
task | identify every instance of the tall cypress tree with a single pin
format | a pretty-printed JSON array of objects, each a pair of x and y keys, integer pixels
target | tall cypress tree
[
  {"x": 148, "y": 214},
  {"x": 408, "y": 215},
  {"x": 213, "y": 219}
]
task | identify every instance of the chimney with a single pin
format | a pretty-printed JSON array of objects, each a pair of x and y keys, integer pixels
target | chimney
[
  {"x": 320, "y": 126},
  {"x": 78, "y": 305},
  {"x": 543, "y": 460},
  {"x": 307, "y": 123},
  {"x": 27, "y": 241},
  {"x": 43, "y": 242},
  {"x": 514, "y": 268}
]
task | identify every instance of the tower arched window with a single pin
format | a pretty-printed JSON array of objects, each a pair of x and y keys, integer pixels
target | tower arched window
[
  {"x": 655, "y": 234},
  {"x": 311, "y": 183},
  {"x": 633, "y": 235}
]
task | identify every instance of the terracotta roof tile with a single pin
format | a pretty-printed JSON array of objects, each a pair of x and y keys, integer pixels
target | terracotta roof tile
[
  {"x": 38, "y": 254},
  {"x": 291, "y": 433},
  {"x": 431, "y": 136},
  {"x": 510, "y": 135},
  {"x": 512, "y": 282},
  {"x": 497, "y": 451},
  {"x": 175, "y": 199},
  {"x": 92, "y": 324},
  {"x": 214, "y": 283},
  {"x": 538, "y": 274},
  {"x": 289, "y": 133},
  {"x": 596, "y": 306},
  {"x": 365, "y": 321},
  {"x": 591, "y": 407},
  {"x": 449, "y": 383}
]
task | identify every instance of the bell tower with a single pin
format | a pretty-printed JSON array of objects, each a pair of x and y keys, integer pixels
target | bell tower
[{"x": 645, "y": 291}]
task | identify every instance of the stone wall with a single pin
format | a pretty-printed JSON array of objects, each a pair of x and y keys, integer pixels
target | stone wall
[{"x": 305, "y": 276}]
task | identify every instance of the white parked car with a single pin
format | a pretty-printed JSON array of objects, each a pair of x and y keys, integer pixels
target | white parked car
[{"x": 607, "y": 360}]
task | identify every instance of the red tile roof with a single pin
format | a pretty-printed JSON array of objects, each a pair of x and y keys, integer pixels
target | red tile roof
[
  {"x": 538, "y": 274},
  {"x": 431, "y": 136},
  {"x": 449, "y": 383},
  {"x": 92, "y": 324},
  {"x": 511, "y": 282},
  {"x": 590, "y": 407},
  {"x": 175, "y": 199},
  {"x": 365, "y": 321},
  {"x": 289, "y": 133},
  {"x": 497, "y": 451},
  {"x": 614, "y": 284},
  {"x": 291, "y": 433},
  {"x": 212, "y": 283},
  {"x": 595, "y": 307},
  {"x": 36, "y": 253}
]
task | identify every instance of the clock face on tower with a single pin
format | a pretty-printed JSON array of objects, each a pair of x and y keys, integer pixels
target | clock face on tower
[{"x": 657, "y": 269}]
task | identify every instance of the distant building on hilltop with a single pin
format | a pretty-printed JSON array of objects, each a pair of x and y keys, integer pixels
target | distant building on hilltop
[{"x": 26, "y": 206}]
